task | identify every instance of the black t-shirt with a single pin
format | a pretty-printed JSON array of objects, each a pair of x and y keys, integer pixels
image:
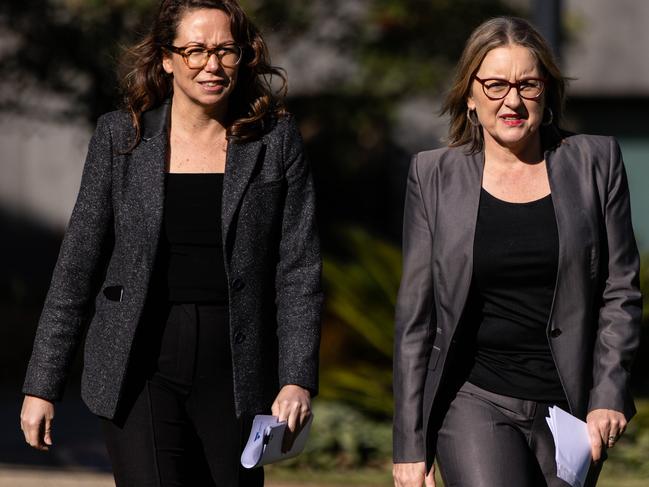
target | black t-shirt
[
  {"x": 516, "y": 253},
  {"x": 190, "y": 257}
]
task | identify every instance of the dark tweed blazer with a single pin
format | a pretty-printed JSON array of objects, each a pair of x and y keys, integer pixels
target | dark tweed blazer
[
  {"x": 594, "y": 326},
  {"x": 272, "y": 262}
]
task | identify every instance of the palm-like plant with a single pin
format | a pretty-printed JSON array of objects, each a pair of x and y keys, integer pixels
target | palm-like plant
[{"x": 361, "y": 294}]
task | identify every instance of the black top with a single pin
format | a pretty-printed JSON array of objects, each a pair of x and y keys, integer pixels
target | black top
[
  {"x": 516, "y": 253},
  {"x": 191, "y": 249}
]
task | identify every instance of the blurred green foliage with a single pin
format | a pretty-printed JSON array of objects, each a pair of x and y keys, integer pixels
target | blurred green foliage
[
  {"x": 410, "y": 46},
  {"x": 631, "y": 454},
  {"x": 68, "y": 47},
  {"x": 401, "y": 46},
  {"x": 358, "y": 284},
  {"x": 343, "y": 438},
  {"x": 361, "y": 291},
  {"x": 291, "y": 17}
]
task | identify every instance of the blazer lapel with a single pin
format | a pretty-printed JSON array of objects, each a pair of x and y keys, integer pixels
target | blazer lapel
[
  {"x": 456, "y": 224},
  {"x": 570, "y": 216},
  {"x": 148, "y": 167},
  {"x": 147, "y": 170},
  {"x": 561, "y": 202},
  {"x": 466, "y": 201},
  {"x": 240, "y": 163}
]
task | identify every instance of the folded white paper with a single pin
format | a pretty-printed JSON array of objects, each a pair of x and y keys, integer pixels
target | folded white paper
[
  {"x": 265, "y": 441},
  {"x": 572, "y": 446}
]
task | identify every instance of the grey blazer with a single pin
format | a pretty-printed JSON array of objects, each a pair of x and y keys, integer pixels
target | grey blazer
[
  {"x": 272, "y": 262},
  {"x": 594, "y": 326}
]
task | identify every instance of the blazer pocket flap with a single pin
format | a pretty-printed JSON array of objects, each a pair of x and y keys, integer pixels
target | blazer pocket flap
[
  {"x": 262, "y": 185},
  {"x": 114, "y": 293}
]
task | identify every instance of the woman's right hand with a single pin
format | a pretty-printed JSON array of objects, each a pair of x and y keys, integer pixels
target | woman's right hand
[
  {"x": 412, "y": 475},
  {"x": 36, "y": 422}
]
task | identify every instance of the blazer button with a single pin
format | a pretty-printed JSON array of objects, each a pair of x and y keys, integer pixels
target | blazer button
[
  {"x": 555, "y": 333},
  {"x": 239, "y": 337},
  {"x": 238, "y": 284}
]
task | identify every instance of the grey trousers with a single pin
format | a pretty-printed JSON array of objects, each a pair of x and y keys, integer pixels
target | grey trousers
[{"x": 490, "y": 440}]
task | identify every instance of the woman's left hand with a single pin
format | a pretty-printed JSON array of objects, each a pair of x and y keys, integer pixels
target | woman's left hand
[
  {"x": 605, "y": 427},
  {"x": 293, "y": 405}
]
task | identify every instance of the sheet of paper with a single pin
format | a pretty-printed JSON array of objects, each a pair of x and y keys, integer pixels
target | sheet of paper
[
  {"x": 265, "y": 442},
  {"x": 254, "y": 449},
  {"x": 572, "y": 445}
]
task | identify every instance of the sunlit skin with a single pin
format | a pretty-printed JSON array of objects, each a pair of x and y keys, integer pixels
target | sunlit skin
[
  {"x": 199, "y": 108},
  {"x": 413, "y": 475},
  {"x": 514, "y": 167},
  {"x": 512, "y": 123},
  {"x": 210, "y": 87}
]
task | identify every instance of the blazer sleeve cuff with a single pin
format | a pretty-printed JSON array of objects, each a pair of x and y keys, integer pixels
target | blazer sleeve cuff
[
  {"x": 615, "y": 402},
  {"x": 39, "y": 387},
  {"x": 310, "y": 385},
  {"x": 408, "y": 448}
]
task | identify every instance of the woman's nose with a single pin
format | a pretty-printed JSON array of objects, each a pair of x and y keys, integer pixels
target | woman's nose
[
  {"x": 213, "y": 63},
  {"x": 513, "y": 98}
]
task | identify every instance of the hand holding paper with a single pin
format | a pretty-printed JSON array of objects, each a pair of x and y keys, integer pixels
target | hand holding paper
[
  {"x": 605, "y": 427},
  {"x": 572, "y": 446},
  {"x": 293, "y": 405},
  {"x": 265, "y": 441}
]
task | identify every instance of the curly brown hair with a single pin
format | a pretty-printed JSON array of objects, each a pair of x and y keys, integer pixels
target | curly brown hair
[
  {"x": 145, "y": 84},
  {"x": 498, "y": 32}
]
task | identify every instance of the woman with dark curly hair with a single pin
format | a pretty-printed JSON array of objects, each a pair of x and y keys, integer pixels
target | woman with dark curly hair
[{"x": 193, "y": 252}]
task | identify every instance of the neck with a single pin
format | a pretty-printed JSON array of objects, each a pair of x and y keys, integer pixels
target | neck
[
  {"x": 189, "y": 117},
  {"x": 528, "y": 152}
]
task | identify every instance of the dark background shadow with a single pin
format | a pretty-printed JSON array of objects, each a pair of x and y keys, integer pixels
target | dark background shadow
[{"x": 29, "y": 252}]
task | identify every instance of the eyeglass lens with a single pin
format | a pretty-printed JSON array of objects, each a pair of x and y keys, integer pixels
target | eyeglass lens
[
  {"x": 197, "y": 57},
  {"x": 495, "y": 88}
]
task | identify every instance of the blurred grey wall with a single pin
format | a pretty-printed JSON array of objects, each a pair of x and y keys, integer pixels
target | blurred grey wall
[
  {"x": 40, "y": 167},
  {"x": 607, "y": 54},
  {"x": 607, "y": 49}
]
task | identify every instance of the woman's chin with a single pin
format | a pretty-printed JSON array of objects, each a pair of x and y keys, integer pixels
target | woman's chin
[
  {"x": 210, "y": 101},
  {"x": 516, "y": 139}
]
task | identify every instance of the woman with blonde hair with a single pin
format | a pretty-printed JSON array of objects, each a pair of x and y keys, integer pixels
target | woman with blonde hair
[{"x": 520, "y": 278}]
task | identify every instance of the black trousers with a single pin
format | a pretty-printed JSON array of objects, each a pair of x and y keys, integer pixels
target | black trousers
[
  {"x": 491, "y": 440},
  {"x": 176, "y": 424}
]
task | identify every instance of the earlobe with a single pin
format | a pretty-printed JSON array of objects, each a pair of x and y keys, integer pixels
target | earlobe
[
  {"x": 166, "y": 65},
  {"x": 470, "y": 103}
]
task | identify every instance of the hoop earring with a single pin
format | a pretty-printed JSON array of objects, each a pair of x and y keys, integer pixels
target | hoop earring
[
  {"x": 548, "y": 122},
  {"x": 476, "y": 122}
]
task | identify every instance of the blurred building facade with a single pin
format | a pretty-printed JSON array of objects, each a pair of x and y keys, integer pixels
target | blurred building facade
[{"x": 606, "y": 53}]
